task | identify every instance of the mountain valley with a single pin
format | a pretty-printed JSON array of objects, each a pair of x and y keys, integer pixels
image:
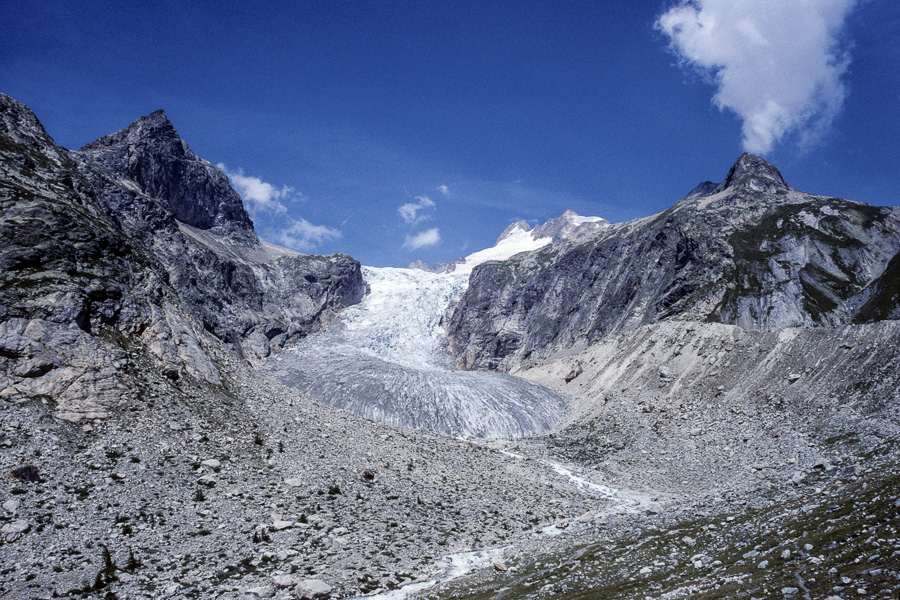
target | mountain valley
[{"x": 700, "y": 403}]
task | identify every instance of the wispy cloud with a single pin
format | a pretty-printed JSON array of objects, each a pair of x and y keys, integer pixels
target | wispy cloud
[
  {"x": 258, "y": 195},
  {"x": 424, "y": 239},
  {"x": 777, "y": 64},
  {"x": 411, "y": 210},
  {"x": 303, "y": 236},
  {"x": 443, "y": 189}
]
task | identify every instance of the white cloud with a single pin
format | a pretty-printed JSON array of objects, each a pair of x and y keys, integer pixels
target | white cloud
[
  {"x": 303, "y": 236},
  {"x": 259, "y": 196},
  {"x": 776, "y": 63},
  {"x": 423, "y": 239},
  {"x": 443, "y": 189},
  {"x": 410, "y": 211}
]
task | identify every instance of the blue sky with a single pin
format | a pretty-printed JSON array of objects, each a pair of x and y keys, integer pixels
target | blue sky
[{"x": 404, "y": 130}]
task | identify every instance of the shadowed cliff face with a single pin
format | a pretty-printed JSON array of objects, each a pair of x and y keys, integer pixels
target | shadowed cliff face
[
  {"x": 749, "y": 251},
  {"x": 94, "y": 260},
  {"x": 150, "y": 153}
]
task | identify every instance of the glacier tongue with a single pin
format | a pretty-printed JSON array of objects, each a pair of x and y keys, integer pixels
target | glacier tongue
[{"x": 385, "y": 359}]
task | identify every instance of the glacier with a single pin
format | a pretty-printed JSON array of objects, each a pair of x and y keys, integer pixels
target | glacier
[{"x": 386, "y": 358}]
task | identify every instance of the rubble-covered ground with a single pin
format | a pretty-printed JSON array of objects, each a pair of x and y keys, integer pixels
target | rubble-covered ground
[{"x": 248, "y": 490}]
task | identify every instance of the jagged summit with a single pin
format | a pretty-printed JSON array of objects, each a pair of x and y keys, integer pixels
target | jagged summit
[
  {"x": 753, "y": 171},
  {"x": 513, "y": 227},
  {"x": 568, "y": 226},
  {"x": 150, "y": 152},
  {"x": 20, "y": 125},
  {"x": 748, "y": 172}
]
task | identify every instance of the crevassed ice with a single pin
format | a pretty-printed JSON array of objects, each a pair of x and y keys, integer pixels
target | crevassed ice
[{"x": 386, "y": 359}]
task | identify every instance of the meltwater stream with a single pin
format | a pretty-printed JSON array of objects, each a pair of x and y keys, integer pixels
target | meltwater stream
[{"x": 386, "y": 359}]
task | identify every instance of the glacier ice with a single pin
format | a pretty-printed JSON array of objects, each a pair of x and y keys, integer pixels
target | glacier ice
[{"x": 385, "y": 359}]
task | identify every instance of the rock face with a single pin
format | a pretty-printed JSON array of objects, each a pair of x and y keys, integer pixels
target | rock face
[
  {"x": 96, "y": 264},
  {"x": 150, "y": 153},
  {"x": 749, "y": 251}
]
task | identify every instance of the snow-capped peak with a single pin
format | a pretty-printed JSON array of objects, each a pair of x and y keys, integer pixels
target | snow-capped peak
[{"x": 512, "y": 242}]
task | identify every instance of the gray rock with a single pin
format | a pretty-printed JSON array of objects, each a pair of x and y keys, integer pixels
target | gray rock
[
  {"x": 261, "y": 592},
  {"x": 165, "y": 256},
  {"x": 15, "y": 530},
  {"x": 310, "y": 589},
  {"x": 789, "y": 592},
  {"x": 284, "y": 581},
  {"x": 76, "y": 582},
  {"x": 617, "y": 279}
]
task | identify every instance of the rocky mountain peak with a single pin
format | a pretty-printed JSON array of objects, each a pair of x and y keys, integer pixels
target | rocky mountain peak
[
  {"x": 20, "y": 126},
  {"x": 513, "y": 227},
  {"x": 753, "y": 172},
  {"x": 749, "y": 172},
  {"x": 569, "y": 226},
  {"x": 566, "y": 227},
  {"x": 150, "y": 152}
]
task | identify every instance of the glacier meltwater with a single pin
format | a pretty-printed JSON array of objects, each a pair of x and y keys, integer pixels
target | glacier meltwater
[{"x": 386, "y": 359}]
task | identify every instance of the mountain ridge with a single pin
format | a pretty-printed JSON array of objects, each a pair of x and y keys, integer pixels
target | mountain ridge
[
  {"x": 752, "y": 252},
  {"x": 96, "y": 260}
]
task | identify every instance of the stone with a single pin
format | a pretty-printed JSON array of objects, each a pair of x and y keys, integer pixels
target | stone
[
  {"x": 293, "y": 482},
  {"x": 575, "y": 372},
  {"x": 284, "y": 581},
  {"x": 763, "y": 565},
  {"x": 499, "y": 566},
  {"x": 11, "y": 506},
  {"x": 282, "y": 525},
  {"x": 76, "y": 582},
  {"x": 789, "y": 592},
  {"x": 689, "y": 541},
  {"x": 261, "y": 592},
  {"x": 27, "y": 473},
  {"x": 212, "y": 464},
  {"x": 207, "y": 481},
  {"x": 15, "y": 530},
  {"x": 310, "y": 589},
  {"x": 785, "y": 554},
  {"x": 799, "y": 478}
]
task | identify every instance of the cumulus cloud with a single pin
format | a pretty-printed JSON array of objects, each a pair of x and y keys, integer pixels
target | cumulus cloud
[
  {"x": 443, "y": 189},
  {"x": 776, "y": 63},
  {"x": 303, "y": 236},
  {"x": 423, "y": 239},
  {"x": 411, "y": 211},
  {"x": 258, "y": 195}
]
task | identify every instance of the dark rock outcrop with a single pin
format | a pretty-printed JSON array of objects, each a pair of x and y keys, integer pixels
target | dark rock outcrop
[
  {"x": 95, "y": 262},
  {"x": 150, "y": 153},
  {"x": 749, "y": 251}
]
